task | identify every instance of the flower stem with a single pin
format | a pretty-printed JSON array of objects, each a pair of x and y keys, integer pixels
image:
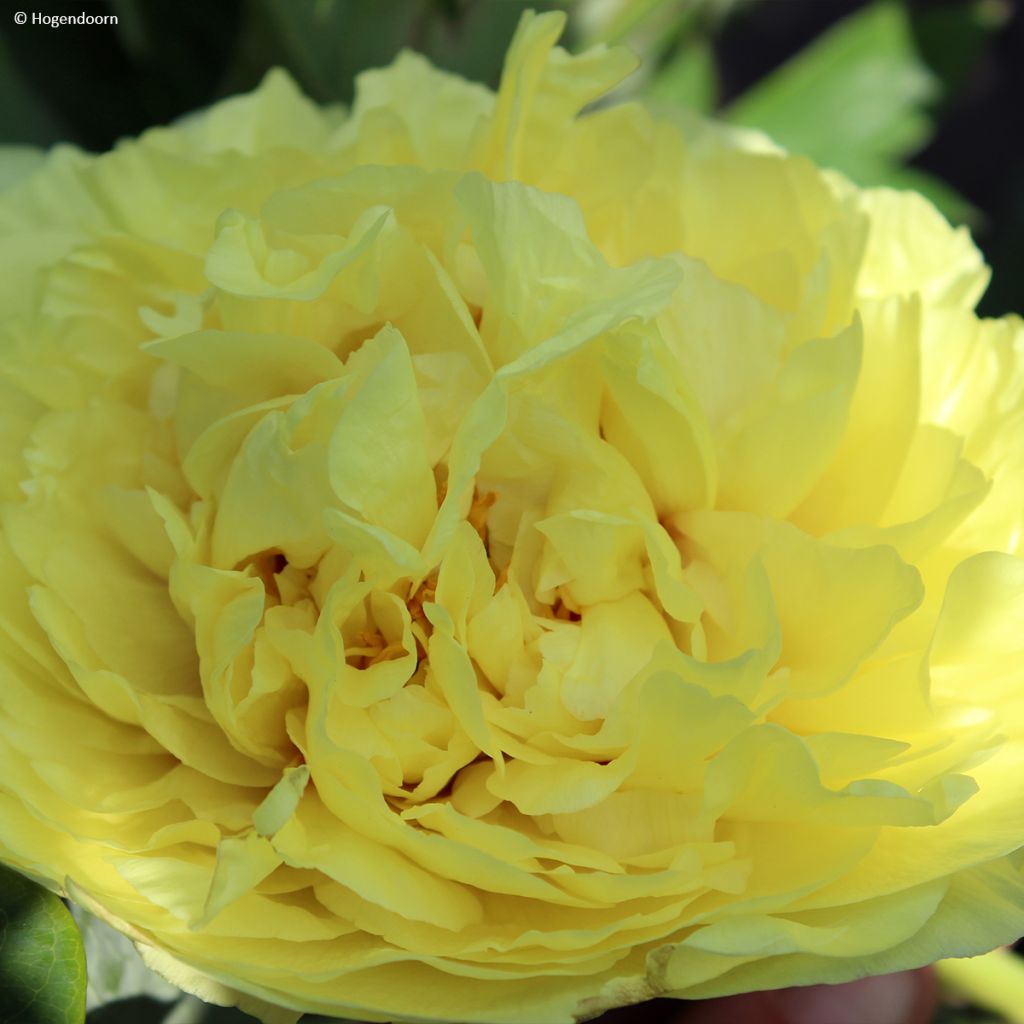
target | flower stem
[{"x": 994, "y": 981}]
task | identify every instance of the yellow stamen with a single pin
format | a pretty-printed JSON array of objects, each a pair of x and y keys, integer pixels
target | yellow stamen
[
  {"x": 477, "y": 517},
  {"x": 389, "y": 653}
]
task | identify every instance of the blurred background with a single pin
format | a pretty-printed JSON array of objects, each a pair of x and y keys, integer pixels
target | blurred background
[{"x": 922, "y": 94}]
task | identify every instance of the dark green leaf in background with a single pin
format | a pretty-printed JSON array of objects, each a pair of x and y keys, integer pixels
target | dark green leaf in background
[
  {"x": 326, "y": 43},
  {"x": 688, "y": 79},
  {"x": 42, "y": 962}
]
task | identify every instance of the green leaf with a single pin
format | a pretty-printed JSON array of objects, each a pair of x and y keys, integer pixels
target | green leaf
[
  {"x": 474, "y": 44},
  {"x": 689, "y": 79},
  {"x": 324, "y": 43},
  {"x": 42, "y": 962},
  {"x": 623, "y": 19},
  {"x": 853, "y": 100}
]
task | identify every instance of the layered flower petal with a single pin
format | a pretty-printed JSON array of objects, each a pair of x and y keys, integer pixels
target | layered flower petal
[{"x": 488, "y": 558}]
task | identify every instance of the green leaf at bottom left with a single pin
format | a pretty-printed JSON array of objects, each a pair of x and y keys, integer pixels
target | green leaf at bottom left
[{"x": 42, "y": 962}]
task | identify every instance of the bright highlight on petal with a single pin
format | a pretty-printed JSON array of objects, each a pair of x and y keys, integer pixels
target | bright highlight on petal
[{"x": 479, "y": 560}]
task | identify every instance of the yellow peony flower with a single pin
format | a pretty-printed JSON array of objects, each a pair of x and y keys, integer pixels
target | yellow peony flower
[{"x": 471, "y": 560}]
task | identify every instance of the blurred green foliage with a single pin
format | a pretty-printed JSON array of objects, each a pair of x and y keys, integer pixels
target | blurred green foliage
[{"x": 855, "y": 99}]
